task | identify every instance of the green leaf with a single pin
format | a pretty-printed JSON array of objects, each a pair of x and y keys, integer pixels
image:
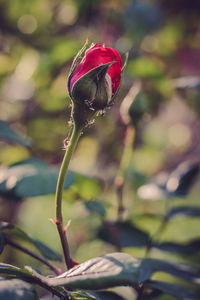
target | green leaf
[
  {"x": 123, "y": 234},
  {"x": 182, "y": 178},
  {"x": 149, "y": 266},
  {"x": 96, "y": 207},
  {"x": 145, "y": 67},
  {"x": 183, "y": 211},
  {"x": 12, "y": 231},
  {"x": 16, "y": 289},
  {"x": 30, "y": 178},
  {"x": 106, "y": 295},
  {"x": 118, "y": 269},
  {"x": 27, "y": 275},
  {"x": 33, "y": 177},
  {"x": 189, "y": 248},
  {"x": 115, "y": 269},
  {"x": 12, "y": 271},
  {"x": 9, "y": 135},
  {"x": 175, "y": 184},
  {"x": 103, "y": 295},
  {"x": 87, "y": 187},
  {"x": 171, "y": 289},
  {"x": 45, "y": 250},
  {"x": 2, "y": 242},
  {"x": 81, "y": 295}
]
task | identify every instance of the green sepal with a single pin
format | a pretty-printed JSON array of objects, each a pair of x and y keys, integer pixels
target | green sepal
[
  {"x": 123, "y": 68},
  {"x": 125, "y": 61},
  {"x": 75, "y": 63},
  {"x": 91, "y": 88}
]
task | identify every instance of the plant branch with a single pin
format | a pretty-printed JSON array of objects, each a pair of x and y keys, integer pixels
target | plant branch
[
  {"x": 36, "y": 256},
  {"x": 124, "y": 164},
  {"x": 59, "y": 191},
  {"x": 154, "y": 236},
  {"x": 159, "y": 230}
]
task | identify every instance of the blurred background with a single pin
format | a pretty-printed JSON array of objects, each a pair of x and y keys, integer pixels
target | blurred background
[{"x": 38, "y": 40}]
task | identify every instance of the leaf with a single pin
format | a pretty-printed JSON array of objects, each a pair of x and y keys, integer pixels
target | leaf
[
  {"x": 87, "y": 187},
  {"x": 145, "y": 67},
  {"x": 171, "y": 289},
  {"x": 118, "y": 269},
  {"x": 182, "y": 211},
  {"x": 11, "y": 271},
  {"x": 149, "y": 266},
  {"x": 6, "y": 133},
  {"x": 33, "y": 177},
  {"x": 81, "y": 295},
  {"x": 2, "y": 242},
  {"x": 123, "y": 234},
  {"x": 115, "y": 269},
  {"x": 96, "y": 207},
  {"x": 27, "y": 275},
  {"x": 45, "y": 250},
  {"x": 15, "y": 232},
  {"x": 103, "y": 295},
  {"x": 181, "y": 179},
  {"x": 16, "y": 289},
  {"x": 30, "y": 179},
  {"x": 155, "y": 189},
  {"x": 175, "y": 184},
  {"x": 186, "y": 249}
]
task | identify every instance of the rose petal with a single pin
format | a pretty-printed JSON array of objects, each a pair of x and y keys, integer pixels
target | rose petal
[{"x": 96, "y": 55}]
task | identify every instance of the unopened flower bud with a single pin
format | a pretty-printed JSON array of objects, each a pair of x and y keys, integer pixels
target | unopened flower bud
[{"x": 94, "y": 80}]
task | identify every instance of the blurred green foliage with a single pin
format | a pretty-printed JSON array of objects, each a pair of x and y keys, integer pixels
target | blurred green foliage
[{"x": 38, "y": 40}]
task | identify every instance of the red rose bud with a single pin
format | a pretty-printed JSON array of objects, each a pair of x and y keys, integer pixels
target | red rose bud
[{"x": 94, "y": 81}]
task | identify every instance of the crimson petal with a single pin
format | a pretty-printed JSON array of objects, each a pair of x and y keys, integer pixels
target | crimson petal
[{"x": 95, "y": 56}]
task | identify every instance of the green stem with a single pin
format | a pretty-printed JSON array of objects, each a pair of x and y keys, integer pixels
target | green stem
[
  {"x": 124, "y": 164},
  {"x": 159, "y": 230},
  {"x": 156, "y": 235},
  {"x": 59, "y": 191}
]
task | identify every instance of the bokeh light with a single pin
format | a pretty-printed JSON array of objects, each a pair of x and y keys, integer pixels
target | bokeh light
[{"x": 27, "y": 24}]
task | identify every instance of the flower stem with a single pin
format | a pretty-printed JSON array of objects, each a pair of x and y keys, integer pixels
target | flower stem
[
  {"x": 124, "y": 164},
  {"x": 159, "y": 231},
  {"x": 155, "y": 236},
  {"x": 59, "y": 191},
  {"x": 36, "y": 256}
]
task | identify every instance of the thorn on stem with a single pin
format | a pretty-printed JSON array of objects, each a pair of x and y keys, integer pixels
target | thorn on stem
[
  {"x": 54, "y": 221},
  {"x": 70, "y": 122},
  {"x": 66, "y": 142},
  {"x": 67, "y": 226},
  {"x": 73, "y": 263}
]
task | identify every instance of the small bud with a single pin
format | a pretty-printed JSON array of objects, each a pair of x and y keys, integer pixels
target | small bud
[
  {"x": 133, "y": 106},
  {"x": 138, "y": 108}
]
